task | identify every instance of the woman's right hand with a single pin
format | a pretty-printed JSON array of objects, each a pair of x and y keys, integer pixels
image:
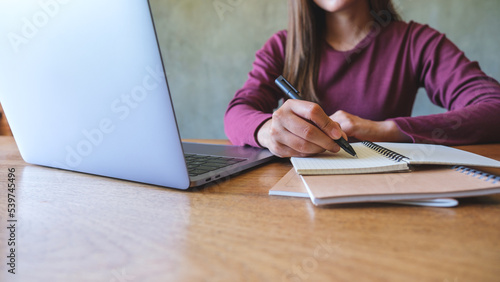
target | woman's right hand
[{"x": 298, "y": 129}]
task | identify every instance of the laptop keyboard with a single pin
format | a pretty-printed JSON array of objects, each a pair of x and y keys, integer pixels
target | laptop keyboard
[{"x": 200, "y": 164}]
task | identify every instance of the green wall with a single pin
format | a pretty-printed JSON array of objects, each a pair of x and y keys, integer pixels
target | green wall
[{"x": 208, "y": 48}]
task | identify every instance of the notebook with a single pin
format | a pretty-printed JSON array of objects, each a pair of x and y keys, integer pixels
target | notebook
[
  {"x": 292, "y": 185},
  {"x": 387, "y": 157},
  {"x": 425, "y": 182}
]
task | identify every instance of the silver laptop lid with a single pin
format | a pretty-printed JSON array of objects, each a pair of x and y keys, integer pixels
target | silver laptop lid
[{"x": 103, "y": 108}]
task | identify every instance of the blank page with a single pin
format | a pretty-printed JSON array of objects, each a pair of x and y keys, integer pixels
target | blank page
[{"x": 438, "y": 154}]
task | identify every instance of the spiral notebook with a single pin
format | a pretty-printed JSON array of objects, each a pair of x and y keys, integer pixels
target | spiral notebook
[
  {"x": 291, "y": 185},
  {"x": 425, "y": 182},
  {"x": 387, "y": 157}
]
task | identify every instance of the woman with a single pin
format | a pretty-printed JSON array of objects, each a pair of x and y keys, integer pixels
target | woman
[{"x": 359, "y": 66}]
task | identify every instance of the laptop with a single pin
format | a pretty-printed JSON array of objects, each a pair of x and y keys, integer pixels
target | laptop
[{"x": 83, "y": 88}]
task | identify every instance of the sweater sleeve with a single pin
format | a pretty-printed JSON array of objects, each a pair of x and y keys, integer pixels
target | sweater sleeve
[
  {"x": 457, "y": 84},
  {"x": 254, "y": 103}
]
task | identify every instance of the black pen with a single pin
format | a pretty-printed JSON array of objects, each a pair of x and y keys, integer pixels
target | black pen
[{"x": 292, "y": 93}]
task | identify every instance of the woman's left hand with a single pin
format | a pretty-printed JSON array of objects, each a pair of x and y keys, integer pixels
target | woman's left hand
[{"x": 364, "y": 129}]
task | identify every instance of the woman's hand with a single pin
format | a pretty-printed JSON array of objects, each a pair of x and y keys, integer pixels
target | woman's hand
[
  {"x": 364, "y": 129},
  {"x": 299, "y": 128}
]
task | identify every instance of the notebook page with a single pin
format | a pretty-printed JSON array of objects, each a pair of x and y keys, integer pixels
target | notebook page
[
  {"x": 368, "y": 161},
  {"x": 438, "y": 154}
]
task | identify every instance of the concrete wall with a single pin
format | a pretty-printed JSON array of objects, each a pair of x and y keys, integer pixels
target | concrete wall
[{"x": 209, "y": 46}]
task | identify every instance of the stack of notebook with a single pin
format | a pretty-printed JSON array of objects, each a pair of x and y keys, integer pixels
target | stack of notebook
[{"x": 418, "y": 174}]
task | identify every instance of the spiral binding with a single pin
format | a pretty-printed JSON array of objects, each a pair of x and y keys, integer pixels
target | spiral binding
[
  {"x": 476, "y": 173},
  {"x": 384, "y": 151}
]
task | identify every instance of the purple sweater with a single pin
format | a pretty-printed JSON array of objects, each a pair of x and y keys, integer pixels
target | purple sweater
[{"x": 378, "y": 80}]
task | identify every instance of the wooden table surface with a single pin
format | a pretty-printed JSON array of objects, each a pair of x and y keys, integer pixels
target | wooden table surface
[{"x": 77, "y": 227}]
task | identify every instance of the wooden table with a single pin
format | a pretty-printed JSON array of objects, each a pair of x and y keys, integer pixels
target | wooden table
[{"x": 77, "y": 227}]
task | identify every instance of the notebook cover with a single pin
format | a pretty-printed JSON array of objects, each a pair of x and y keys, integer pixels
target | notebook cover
[
  {"x": 423, "y": 183},
  {"x": 292, "y": 185}
]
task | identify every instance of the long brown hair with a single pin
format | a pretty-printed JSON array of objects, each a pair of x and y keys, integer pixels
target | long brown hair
[{"x": 305, "y": 35}]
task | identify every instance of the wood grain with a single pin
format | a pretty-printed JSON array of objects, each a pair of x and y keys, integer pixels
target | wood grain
[
  {"x": 79, "y": 227},
  {"x": 4, "y": 125}
]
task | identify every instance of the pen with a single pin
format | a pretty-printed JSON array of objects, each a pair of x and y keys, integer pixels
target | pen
[{"x": 292, "y": 93}]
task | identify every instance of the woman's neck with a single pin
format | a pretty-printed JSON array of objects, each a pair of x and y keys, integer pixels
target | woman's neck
[{"x": 347, "y": 27}]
